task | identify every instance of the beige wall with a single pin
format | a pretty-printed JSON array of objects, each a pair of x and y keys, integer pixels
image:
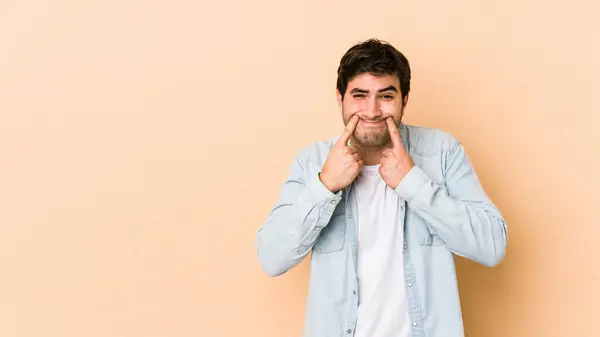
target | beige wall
[{"x": 144, "y": 142}]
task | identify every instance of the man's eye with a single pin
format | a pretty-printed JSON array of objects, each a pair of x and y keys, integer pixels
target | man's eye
[
  {"x": 388, "y": 97},
  {"x": 358, "y": 96}
]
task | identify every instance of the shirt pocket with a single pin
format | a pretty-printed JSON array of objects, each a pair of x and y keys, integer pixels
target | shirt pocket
[
  {"x": 332, "y": 237},
  {"x": 433, "y": 240}
]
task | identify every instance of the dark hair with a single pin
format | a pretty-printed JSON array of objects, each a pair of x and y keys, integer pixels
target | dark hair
[{"x": 376, "y": 57}]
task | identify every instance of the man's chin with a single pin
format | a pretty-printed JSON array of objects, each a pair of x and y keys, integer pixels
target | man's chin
[{"x": 375, "y": 141}]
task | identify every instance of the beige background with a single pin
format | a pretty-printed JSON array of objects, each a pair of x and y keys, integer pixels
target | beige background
[{"x": 144, "y": 142}]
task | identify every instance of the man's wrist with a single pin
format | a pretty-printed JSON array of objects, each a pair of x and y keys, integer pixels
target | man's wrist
[
  {"x": 326, "y": 183},
  {"x": 412, "y": 182}
]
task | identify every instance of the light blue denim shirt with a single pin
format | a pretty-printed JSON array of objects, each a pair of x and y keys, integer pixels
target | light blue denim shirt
[{"x": 447, "y": 211}]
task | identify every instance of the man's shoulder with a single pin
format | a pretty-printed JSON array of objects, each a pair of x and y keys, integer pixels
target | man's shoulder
[
  {"x": 430, "y": 140},
  {"x": 317, "y": 151}
]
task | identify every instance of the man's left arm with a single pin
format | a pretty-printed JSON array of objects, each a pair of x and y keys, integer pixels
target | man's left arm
[{"x": 460, "y": 212}]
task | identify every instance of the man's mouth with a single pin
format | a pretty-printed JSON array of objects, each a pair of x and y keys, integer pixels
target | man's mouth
[{"x": 372, "y": 122}]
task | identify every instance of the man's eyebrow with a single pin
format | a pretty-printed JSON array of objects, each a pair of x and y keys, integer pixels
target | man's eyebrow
[
  {"x": 389, "y": 88},
  {"x": 363, "y": 91},
  {"x": 359, "y": 91}
]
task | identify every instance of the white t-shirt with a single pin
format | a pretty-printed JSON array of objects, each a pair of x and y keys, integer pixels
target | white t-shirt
[{"x": 382, "y": 308}]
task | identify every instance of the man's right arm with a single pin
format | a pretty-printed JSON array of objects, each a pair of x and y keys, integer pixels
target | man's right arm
[{"x": 292, "y": 227}]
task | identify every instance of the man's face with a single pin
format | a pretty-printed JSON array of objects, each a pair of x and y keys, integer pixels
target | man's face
[{"x": 372, "y": 99}]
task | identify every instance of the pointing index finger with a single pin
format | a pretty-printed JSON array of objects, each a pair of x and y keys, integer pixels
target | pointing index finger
[
  {"x": 348, "y": 131},
  {"x": 394, "y": 134}
]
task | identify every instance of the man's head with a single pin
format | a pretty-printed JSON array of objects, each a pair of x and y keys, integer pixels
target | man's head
[{"x": 373, "y": 83}]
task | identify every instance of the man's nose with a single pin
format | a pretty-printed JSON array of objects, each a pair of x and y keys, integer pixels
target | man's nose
[{"x": 372, "y": 109}]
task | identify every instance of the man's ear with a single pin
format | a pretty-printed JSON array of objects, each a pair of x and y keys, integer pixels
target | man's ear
[
  {"x": 404, "y": 103},
  {"x": 339, "y": 99}
]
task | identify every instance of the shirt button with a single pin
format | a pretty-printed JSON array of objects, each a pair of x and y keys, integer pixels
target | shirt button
[
  {"x": 349, "y": 331},
  {"x": 318, "y": 227},
  {"x": 410, "y": 284},
  {"x": 405, "y": 245},
  {"x": 349, "y": 216},
  {"x": 414, "y": 323},
  {"x": 354, "y": 292},
  {"x": 333, "y": 202},
  {"x": 401, "y": 208}
]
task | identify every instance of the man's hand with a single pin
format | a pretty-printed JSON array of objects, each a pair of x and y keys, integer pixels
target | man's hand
[
  {"x": 343, "y": 163},
  {"x": 395, "y": 162}
]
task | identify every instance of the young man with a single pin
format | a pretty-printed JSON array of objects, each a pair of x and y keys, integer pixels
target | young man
[{"x": 382, "y": 208}]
